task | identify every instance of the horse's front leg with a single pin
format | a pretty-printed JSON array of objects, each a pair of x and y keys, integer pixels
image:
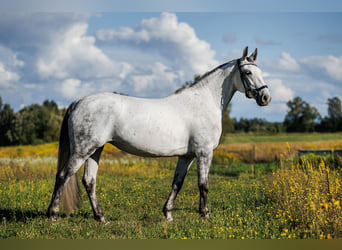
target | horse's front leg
[
  {"x": 203, "y": 166},
  {"x": 182, "y": 168}
]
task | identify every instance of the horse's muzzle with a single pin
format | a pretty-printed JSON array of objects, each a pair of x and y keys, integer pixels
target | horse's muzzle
[{"x": 263, "y": 99}]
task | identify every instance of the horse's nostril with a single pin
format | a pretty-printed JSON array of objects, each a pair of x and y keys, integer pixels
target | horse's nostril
[{"x": 265, "y": 99}]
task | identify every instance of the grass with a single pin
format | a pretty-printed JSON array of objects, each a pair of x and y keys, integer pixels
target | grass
[
  {"x": 287, "y": 198},
  {"x": 132, "y": 201}
]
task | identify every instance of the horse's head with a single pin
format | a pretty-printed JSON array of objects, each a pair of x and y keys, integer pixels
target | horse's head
[{"x": 250, "y": 79}]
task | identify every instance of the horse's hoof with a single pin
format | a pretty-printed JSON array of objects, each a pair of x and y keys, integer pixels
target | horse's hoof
[
  {"x": 206, "y": 216},
  {"x": 103, "y": 220},
  {"x": 106, "y": 222},
  {"x": 168, "y": 216},
  {"x": 53, "y": 218},
  {"x": 169, "y": 219}
]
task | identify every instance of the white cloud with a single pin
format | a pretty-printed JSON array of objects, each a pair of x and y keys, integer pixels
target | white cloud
[
  {"x": 160, "y": 78},
  {"x": 9, "y": 66},
  {"x": 265, "y": 74},
  {"x": 176, "y": 41},
  {"x": 32, "y": 86},
  {"x": 15, "y": 62},
  {"x": 29, "y": 32},
  {"x": 73, "y": 54},
  {"x": 70, "y": 88},
  {"x": 10, "y": 57},
  {"x": 46, "y": 49},
  {"x": 287, "y": 63},
  {"x": 7, "y": 77},
  {"x": 74, "y": 88},
  {"x": 163, "y": 54},
  {"x": 279, "y": 92},
  {"x": 329, "y": 65}
]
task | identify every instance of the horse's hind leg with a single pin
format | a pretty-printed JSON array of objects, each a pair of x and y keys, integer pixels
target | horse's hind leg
[
  {"x": 89, "y": 181},
  {"x": 62, "y": 178},
  {"x": 182, "y": 168}
]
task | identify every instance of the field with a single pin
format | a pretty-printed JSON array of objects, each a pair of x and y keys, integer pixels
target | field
[{"x": 259, "y": 189}]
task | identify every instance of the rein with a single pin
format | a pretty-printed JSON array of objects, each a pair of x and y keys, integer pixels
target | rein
[{"x": 248, "y": 89}]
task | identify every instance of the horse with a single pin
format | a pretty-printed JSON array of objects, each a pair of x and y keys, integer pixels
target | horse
[{"x": 186, "y": 124}]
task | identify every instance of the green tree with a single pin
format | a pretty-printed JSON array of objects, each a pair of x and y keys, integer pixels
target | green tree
[
  {"x": 301, "y": 116},
  {"x": 6, "y": 124},
  {"x": 38, "y": 123},
  {"x": 54, "y": 121},
  {"x": 27, "y": 123},
  {"x": 335, "y": 113},
  {"x": 33, "y": 124}
]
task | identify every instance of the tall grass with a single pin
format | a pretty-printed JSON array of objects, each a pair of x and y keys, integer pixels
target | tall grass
[
  {"x": 308, "y": 192},
  {"x": 271, "y": 151}
]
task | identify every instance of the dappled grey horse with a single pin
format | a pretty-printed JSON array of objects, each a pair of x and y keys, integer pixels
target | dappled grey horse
[{"x": 187, "y": 124}]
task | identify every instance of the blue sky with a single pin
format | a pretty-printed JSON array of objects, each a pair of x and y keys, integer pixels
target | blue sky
[{"x": 66, "y": 55}]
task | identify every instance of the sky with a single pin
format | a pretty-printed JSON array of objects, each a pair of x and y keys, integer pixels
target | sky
[{"x": 64, "y": 54}]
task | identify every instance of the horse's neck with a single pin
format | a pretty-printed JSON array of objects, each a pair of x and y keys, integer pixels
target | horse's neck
[
  {"x": 220, "y": 84},
  {"x": 228, "y": 90}
]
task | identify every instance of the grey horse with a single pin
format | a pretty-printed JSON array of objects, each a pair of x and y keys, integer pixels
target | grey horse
[{"x": 187, "y": 124}]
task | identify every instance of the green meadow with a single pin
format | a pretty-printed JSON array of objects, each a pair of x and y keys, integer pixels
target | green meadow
[{"x": 250, "y": 196}]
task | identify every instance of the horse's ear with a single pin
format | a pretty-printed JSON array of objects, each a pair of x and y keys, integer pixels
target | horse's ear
[
  {"x": 244, "y": 54},
  {"x": 254, "y": 55}
]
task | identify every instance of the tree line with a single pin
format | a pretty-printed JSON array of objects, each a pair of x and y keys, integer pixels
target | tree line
[
  {"x": 301, "y": 117},
  {"x": 34, "y": 124},
  {"x": 37, "y": 124}
]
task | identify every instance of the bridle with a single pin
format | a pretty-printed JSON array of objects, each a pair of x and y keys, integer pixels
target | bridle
[{"x": 249, "y": 92}]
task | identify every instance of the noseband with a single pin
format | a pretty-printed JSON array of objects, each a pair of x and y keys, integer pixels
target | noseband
[{"x": 248, "y": 89}]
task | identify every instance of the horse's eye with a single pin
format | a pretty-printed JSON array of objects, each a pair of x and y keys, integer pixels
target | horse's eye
[{"x": 248, "y": 72}]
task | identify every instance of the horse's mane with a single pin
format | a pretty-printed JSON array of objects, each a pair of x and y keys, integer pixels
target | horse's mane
[{"x": 202, "y": 78}]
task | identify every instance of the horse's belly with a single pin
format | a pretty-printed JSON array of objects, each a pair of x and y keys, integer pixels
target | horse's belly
[
  {"x": 150, "y": 150},
  {"x": 151, "y": 145},
  {"x": 154, "y": 139}
]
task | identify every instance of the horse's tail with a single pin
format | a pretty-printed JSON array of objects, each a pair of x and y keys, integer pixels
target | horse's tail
[{"x": 70, "y": 196}]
